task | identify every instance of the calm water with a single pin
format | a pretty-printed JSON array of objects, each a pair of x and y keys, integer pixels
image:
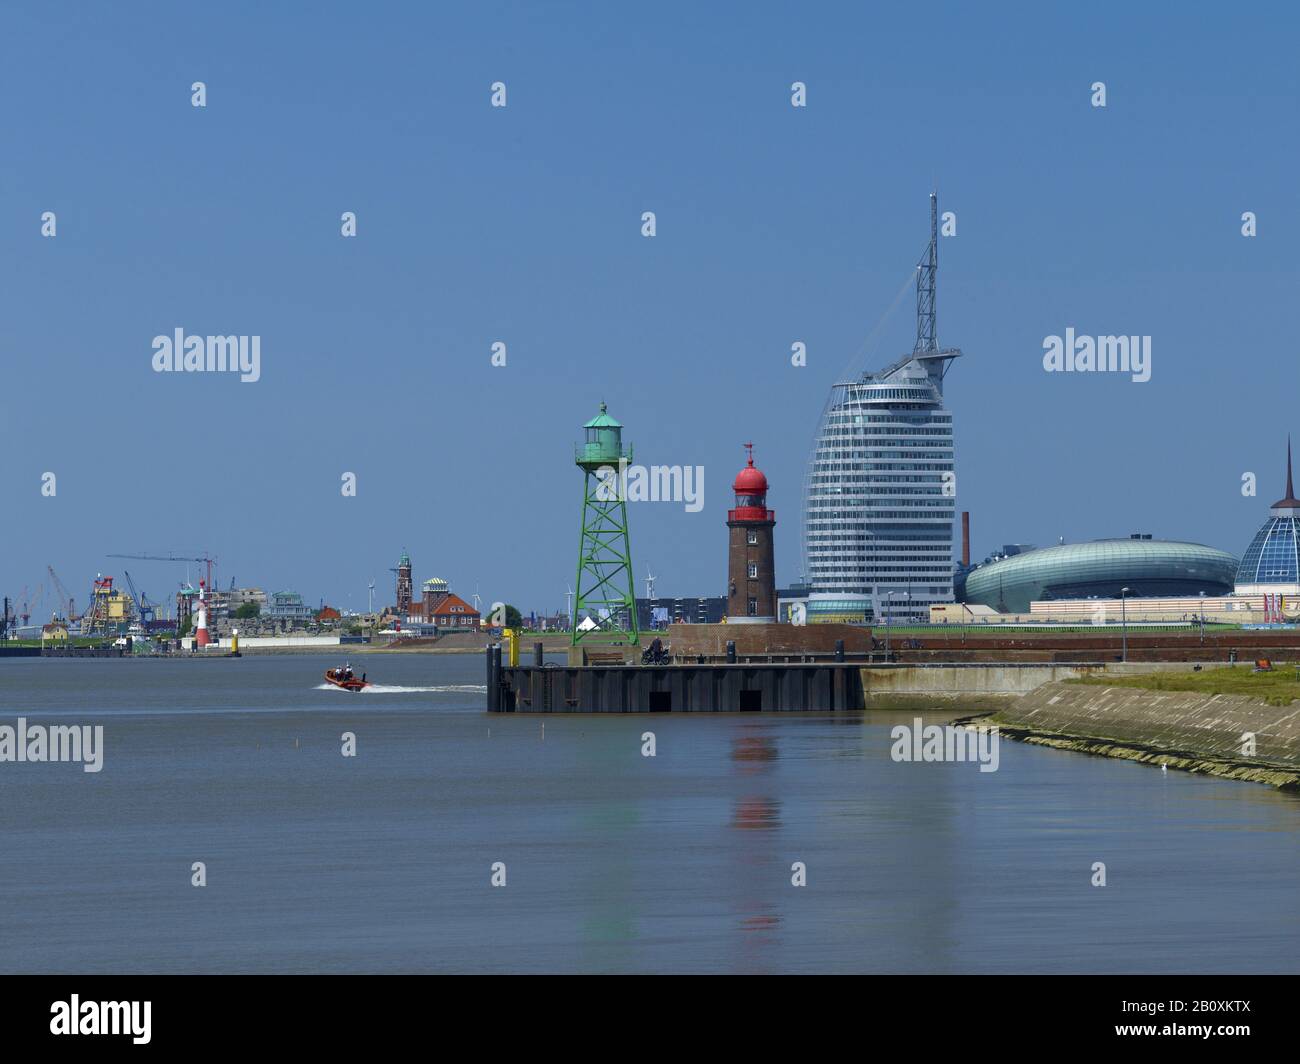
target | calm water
[{"x": 615, "y": 862}]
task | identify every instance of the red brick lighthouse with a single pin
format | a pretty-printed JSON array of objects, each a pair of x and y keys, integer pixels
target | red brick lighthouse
[{"x": 751, "y": 565}]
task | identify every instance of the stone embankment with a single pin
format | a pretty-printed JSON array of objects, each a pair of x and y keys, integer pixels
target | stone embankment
[{"x": 1233, "y": 736}]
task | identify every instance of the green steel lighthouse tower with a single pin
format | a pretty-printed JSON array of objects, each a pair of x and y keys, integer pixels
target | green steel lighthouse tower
[{"x": 604, "y": 603}]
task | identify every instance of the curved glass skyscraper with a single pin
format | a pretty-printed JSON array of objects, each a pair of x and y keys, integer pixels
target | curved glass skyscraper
[{"x": 881, "y": 490}]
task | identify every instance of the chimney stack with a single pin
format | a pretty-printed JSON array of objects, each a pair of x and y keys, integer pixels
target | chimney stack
[{"x": 965, "y": 538}]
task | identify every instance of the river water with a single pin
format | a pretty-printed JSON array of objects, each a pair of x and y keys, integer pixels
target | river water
[{"x": 613, "y": 861}]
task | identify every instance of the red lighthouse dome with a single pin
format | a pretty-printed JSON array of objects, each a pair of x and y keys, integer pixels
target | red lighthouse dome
[
  {"x": 750, "y": 487},
  {"x": 750, "y": 481}
]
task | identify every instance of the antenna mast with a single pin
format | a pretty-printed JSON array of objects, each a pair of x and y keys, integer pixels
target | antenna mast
[{"x": 926, "y": 271}]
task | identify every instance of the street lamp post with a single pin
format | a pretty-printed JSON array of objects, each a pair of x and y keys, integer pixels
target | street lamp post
[
  {"x": 888, "y": 611},
  {"x": 1123, "y": 613},
  {"x": 1202, "y": 618}
]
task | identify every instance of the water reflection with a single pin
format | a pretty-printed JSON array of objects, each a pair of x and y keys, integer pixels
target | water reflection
[
  {"x": 754, "y": 750},
  {"x": 756, "y": 820},
  {"x": 756, "y": 813},
  {"x": 767, "y": 920}
]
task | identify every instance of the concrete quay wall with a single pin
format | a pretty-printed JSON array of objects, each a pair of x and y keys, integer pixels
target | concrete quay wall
[
  {"x": 960, "y": 682},
  {"x": 1235, "y": 736}
]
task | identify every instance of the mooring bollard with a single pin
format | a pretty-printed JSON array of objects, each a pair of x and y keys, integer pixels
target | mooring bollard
[
  {"x": 731, "y": 652},
  {"x": 493, "y": 679},
  {"x": 539, "y": 658},
  {"x": 839, "y": 650}
]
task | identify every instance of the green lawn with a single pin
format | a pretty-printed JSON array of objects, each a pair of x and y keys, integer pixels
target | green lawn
[
  {"x": 1278, "y": 688},
  {"x": 956, "y": 630},
  {"x": 74, "y": 641}
]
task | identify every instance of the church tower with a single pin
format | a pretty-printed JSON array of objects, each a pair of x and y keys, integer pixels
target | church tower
[{"x": 403, "y": 571}]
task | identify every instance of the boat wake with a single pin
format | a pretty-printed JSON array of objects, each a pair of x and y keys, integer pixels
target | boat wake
[{"x": 394, "y": 689}]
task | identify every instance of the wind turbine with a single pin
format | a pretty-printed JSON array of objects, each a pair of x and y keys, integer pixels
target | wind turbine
[
  {"x": 649, "y": 584},
  {"x": 371, "y": 588},
  {"x": 568, "y": 610}
]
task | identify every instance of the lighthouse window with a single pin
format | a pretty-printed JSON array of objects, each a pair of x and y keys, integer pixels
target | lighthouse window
[
  {"x": 753, "y": 571},
  {"x": 753, "y": 536}
]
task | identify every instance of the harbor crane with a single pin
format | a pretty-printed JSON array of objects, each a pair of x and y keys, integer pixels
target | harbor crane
[
  {"x": 33, "y": 606},
  {"x": 143, "y": 606},
  {"x": 64, "y": 598}
]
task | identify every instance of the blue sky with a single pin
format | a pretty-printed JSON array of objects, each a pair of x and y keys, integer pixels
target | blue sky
[{"x": 522, "y": 225}]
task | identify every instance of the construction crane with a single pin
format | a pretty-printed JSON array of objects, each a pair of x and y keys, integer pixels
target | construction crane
[
  {"x": 64, "y": 598},
  {"x": 206, "y": 558}
]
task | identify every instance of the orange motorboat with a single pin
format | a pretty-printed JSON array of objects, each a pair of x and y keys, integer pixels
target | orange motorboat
[{"x": 346, "y": 678}]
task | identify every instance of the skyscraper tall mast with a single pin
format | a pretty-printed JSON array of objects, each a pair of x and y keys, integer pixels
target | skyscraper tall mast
[
  {"x": 926, "y": 277},
  {"x": 879, "y": 498}
]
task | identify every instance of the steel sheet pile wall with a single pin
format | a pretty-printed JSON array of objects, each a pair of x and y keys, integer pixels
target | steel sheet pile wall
[{"x": 675, "y": 688}]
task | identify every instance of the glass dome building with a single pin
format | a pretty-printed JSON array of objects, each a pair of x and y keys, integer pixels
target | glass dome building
[
  {"x": 1271, "y": 564},
  {"x": 1149, "y": 568}
]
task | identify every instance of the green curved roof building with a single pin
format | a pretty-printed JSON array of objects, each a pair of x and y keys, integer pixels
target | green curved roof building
[{"x": 1149, "y": 568}]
